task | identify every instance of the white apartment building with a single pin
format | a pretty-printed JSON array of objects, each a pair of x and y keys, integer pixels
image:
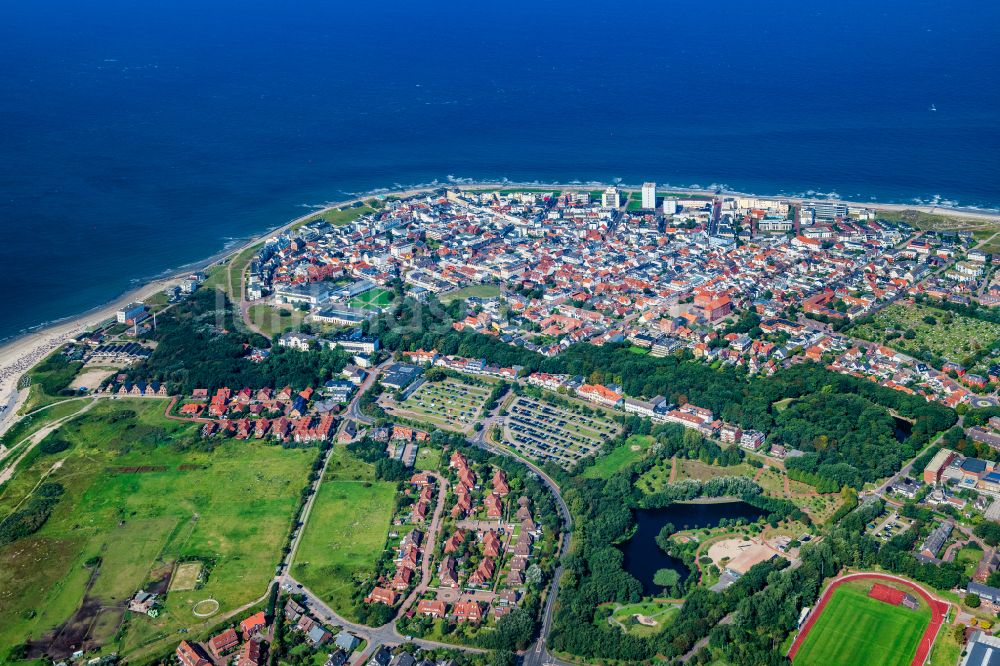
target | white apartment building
[
  {"x": 649, "y": 196},
  {"x": 610, "y": 198}
]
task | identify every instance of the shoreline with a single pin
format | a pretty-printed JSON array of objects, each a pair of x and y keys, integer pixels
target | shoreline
[
  {"x": 933, "y": 209},
  {"x": 21, "y": 352}
]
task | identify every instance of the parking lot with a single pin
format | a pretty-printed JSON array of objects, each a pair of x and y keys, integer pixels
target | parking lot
[
  {"x": 886, "y": 526},
  {"x": 545, "y": 431},
  {"x": 451, "y": 403}
]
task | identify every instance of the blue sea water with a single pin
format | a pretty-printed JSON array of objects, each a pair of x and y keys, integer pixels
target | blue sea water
[{"x": 140, "y": 136}]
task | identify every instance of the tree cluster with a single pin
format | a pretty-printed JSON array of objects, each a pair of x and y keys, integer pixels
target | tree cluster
[
  {"x": 199, "y": 345},
  {"x": 843, "y": 420},
  {"x": 28, "y": 519}
]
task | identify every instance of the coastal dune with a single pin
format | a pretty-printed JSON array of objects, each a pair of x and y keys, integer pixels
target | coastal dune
[{"x": 19, "y": 355}]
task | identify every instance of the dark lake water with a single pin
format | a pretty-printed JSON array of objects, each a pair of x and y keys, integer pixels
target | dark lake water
[
  {"x": 903, "y": 428},
  {"x": 643, "y": 557}
]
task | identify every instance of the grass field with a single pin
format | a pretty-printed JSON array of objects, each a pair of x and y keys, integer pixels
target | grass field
[
  {"x": 635, "y": 203},
  {"x": 340, "y": 217},
  {"x": 374, "y": 299},
  {"x": 343, "y": 539},
  {"x": 237, "y": 266},
  {"x": 428, "y": 458},
  {"x": 451, "y": 403},
  {"x": 773, "y": 483},
  {"x": 209, "y": 505},
  {"x": 273, "y": 320},
  {"x": 656, "y": 478},
  {"x": 695, "y": 469},
  {"x": 856, "y": 630},
  {"x": 228, "y": 276},
  {"x": 962, "y": 340},
  {"x": 922, "y": 220},
  {"x": 821, "y": 507},
  {"x": 477, "y": 290},
  {"x": 27, "y": 425},
  {"x": 345, "y": 466},
  {"x": 634, "y": 449},
  {"x": 969, "y": 559},
  {"x": 48, "y": 379},
  {"x": 947, "y": 650},
  {"x": 185, "y": 576},
  {"x": 782, "y": 405},
  {"x": 624, "y": 617}
]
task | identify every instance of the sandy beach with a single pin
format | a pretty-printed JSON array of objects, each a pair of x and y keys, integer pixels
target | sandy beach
[
  {"x": 20, "y": 354},
  {"x": 24, "y": 352}
]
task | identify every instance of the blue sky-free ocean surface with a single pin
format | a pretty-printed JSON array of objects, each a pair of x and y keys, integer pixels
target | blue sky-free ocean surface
[{"x": 141, "y": 136}]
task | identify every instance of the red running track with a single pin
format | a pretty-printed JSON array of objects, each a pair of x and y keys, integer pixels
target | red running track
[{"x": 938, "y": 611}]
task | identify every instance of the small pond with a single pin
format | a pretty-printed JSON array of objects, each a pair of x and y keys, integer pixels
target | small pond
[
  {"x": 643, "y": 557},
  {"x": 903, "y": 428}
]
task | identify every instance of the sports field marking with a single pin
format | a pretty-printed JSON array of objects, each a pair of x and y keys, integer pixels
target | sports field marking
[
  {"x": 848, "y": 627},
  {"x": 205, "y": 608},
  {"x": 185, "y": 576}
]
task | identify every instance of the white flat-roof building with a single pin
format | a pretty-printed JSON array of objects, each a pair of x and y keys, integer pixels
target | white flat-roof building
[
  {"x": 610, "y": 198},
  {"x": 309, "y": 294},
  {"x": 131, "y": 313},
  {"x": 649, "y": 196}
]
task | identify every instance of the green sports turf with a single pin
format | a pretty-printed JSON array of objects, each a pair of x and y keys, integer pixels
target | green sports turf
[{"x": 856, "y": 630}]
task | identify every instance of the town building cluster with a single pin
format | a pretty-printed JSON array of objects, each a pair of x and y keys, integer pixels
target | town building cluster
[
  {"x": 658, "y": 409},
  {"x": 389, "y": 591},
  {"x": 483, "y": 556},
  {"x": 607, "y": 271},
  {"x": 283, "y": 415},
  {"x": 663, "y": 272},
  {"x": 248, "y": 643}
]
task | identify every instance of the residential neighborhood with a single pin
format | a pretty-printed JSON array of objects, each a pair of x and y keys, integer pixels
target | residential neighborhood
[{"x": 781, "y": 363}]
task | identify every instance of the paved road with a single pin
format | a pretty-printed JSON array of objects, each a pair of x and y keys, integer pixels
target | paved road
[
  {"x": 375, "y": 636},
  {"x": 353, "y": 409},
  {"x": 7, "y": 472},
  {"x": 537, "y": 654},
  {"x": 384, "y": 635},
  {"x": 429, "y": 541},
  {"x": 906, "y": 469}
]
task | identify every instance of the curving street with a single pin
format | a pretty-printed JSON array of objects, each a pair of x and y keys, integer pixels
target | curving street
[{"x": 536, "y": 655}]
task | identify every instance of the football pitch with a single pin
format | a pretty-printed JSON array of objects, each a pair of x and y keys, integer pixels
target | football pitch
[
  {"x": 375, "y": 299},
  {"x": 854, "y": 629}
]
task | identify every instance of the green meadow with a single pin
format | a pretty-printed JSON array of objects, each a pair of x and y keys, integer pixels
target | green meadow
[
  {"x": 141, "y": 493},
  {"x": 857, "y": 630},
  {"x": 343, "y": 539},
  {"x": 634, "y": 448}
]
